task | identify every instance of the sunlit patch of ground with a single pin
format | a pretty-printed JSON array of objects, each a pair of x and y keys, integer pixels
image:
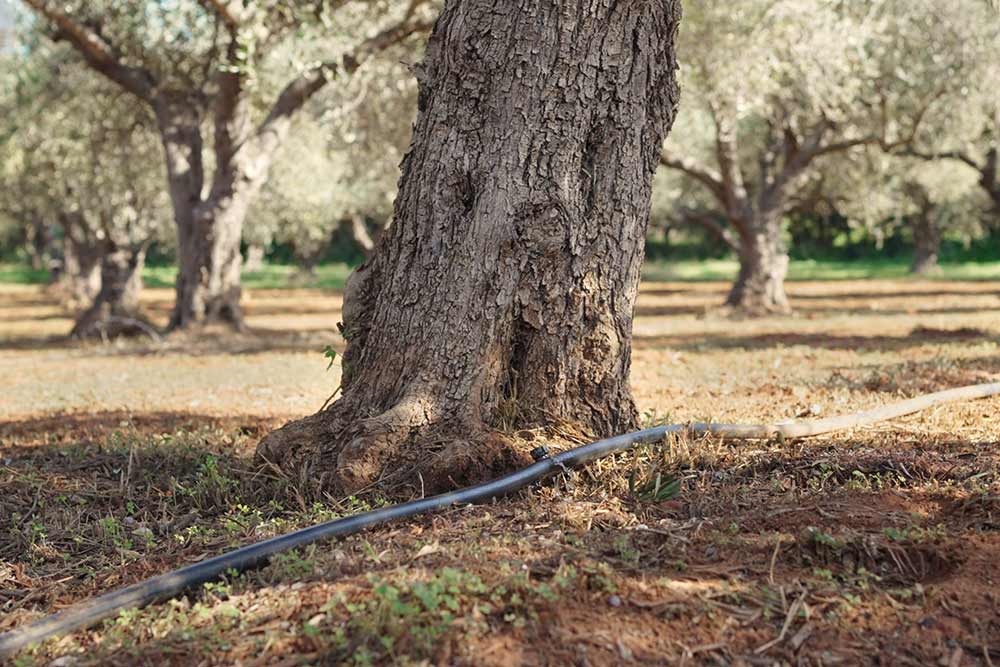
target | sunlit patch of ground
[{"x": 875, "y": 546}]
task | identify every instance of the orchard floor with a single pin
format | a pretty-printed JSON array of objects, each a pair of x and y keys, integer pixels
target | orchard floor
[{"x": 878, "y": 546}]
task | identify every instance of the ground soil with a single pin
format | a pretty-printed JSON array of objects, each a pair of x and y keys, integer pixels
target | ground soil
[{"x": 871, "y": 547}]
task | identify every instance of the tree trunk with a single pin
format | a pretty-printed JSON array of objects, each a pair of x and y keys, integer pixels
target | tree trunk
[
  {"x": 254, "y": 260},
  {"x": 115, "y": 311},
  {"x": 502, "y": 295},
  {"x": 760, "y": 285},
  {"x": 209, "y": 228},
  {"x": 38, "y": 244},
  {"x": 208, "y": 267},
  {"x": 81, "y": 272},
  {"x": 208, "y": 232},
  {"x": 988, "y": 178},
  {"x": 358, "y": 231},
  {"x": 926, "y": 243},
  {"x": 308, "y": 255}
]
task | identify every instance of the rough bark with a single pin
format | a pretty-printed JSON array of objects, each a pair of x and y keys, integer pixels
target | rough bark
[
  {"x": 759, "y": 288},
  {"x": 502, "y": 295},
  {"x": 115, "y": 310}
]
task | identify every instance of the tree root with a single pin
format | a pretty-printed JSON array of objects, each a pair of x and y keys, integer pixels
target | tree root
[
  {"x": 115, "y": 326},
  {"x": 401, "y": 447}
]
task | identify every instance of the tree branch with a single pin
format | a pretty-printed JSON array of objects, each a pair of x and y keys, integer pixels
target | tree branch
[
  {"x": 294, "y": 96},
  {"x": 703, "y": 175},
  {"x": 711, "y": 224},
  {"x": 97, "y": 52},
  {"x": 727, "y": 157},
  {"x": 881, "y": 139},
  {"x": 229, "y": 12},
  {"x": 959, "y": 156}
]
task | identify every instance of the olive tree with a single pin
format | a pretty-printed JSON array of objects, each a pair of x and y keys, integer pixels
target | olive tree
[
  {"x": 503, "y": 292},
  {"x": 775, "y": 88},
  {"x": 351, "y": 139},
  {"x": 216, "y": 72},
  {"x": 966, "y": 133},
  {"x": 928, "y": 201},
  {"x": 82, "y": 166}
]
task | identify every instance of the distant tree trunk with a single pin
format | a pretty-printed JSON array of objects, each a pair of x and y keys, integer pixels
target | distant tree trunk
[
  {"x": 208, "y": 232},
  {"x": 254, "y": 261},
  {"x": 988, "y": 177},
  {"x": 115, "y": 310},
  {"x": 358, "y": 231},
  {"x": 503, "y": 294},
  {"x": 208, "y": 271},
  {"x": 81, "y": 272},
  {"x": 926, "y": 242},
  {"x": 307, "y": 257},
  {"x": 210, "y": 227},
  {"x": 38, "y": 244},
  {"x": 760, "y": 285}
]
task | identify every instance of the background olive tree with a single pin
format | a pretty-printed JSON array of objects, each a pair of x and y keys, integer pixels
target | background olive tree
[
  {"x": 223, "y": 80},
  {"x": 351, "y": 138},
  {"x": 774, "y": 90},
  {"x": 76, "y": 173}
]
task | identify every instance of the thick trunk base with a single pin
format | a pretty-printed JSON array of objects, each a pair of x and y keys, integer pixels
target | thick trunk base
[
  {"x": 115, "y": 311},
  {"x": 759, "y": 289},
  {"x": 927, "y": 243},
  {"x": 401, "y": 449},
  {"x": 502, "y": 296},
  {"x": 925, "y": 264},
  {"x": 198, "y": 306},
  {"x": 80, "y": 280},
  {"x": 208, "y": 276}
]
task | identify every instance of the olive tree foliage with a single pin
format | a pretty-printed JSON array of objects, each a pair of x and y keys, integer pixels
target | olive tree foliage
[
  {"x": 942, "y": 182},
  {"x": 223, "y": 79},
  {"x": 928, "y": 200},
  {"x": 87, "y": 173},
  {"x": 966, "y": 133},
  {"x": 350, "y": 139},
  {"x": 773, "y": 90}
]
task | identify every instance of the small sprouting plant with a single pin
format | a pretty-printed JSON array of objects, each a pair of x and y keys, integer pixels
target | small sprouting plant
[
  {"x": 331, "y": 354},
  {"x": 114, "y": 532},
  {"x": 654, "y": 487},
  {"x": 818, "y": 537},
  {"x": 293, "y": 565}
]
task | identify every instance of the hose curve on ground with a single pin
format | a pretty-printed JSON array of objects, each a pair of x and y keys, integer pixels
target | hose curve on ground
[{"x": 168, "y": 585}]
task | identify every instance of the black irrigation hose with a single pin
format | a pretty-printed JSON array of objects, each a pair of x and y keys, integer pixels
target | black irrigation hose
[{"x": 167, "y": 585}]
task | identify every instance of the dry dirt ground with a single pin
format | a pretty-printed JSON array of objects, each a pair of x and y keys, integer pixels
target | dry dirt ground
[{"x": 872, "y": 547}]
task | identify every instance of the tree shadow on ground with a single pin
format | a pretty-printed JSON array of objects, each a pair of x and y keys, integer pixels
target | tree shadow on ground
[
  {"x": 894, "y": 294},
  {"x": 893, "y": 528},
  {"x": 117, "y": 490},
  {"x": 911, "y": 378},
  {"x": 918, "y": 336},
  {"x": 217, "y": 340}
]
